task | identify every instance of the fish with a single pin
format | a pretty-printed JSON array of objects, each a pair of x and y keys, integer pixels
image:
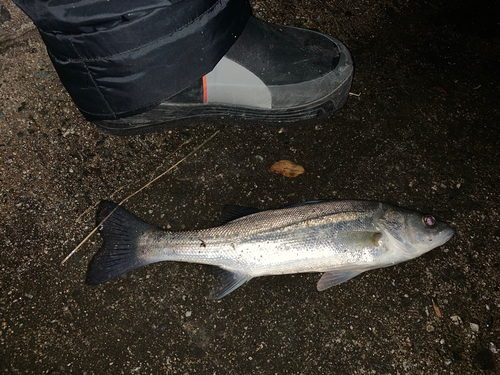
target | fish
[{"x": 341, "y": 239}]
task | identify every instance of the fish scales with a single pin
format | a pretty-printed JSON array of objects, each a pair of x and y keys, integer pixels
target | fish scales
[
  {"x": 340, "y": 238},
  {"x": 300, "y": 241}
]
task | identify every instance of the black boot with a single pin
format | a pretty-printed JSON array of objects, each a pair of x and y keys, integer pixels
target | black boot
[{"x": 272, "y": 73}]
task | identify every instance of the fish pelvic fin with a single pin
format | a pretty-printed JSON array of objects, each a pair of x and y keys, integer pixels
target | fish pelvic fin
[
  {"x": 120, "y": 250},
  {"x": 336, "y": 277},
  {"x": 226, "y": 282}
]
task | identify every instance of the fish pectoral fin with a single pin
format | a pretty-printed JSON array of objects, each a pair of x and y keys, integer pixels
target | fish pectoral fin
[
  {"x": 226, "y": 282},
  {"x": 336, "y": 277},
  {"x": 359, "y": 239}
]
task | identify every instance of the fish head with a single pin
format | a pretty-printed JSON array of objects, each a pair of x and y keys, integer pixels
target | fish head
[{"x": 412, "y": 233}]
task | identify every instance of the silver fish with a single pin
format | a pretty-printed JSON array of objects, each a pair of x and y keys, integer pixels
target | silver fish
[{"x": 340, "y": 238}]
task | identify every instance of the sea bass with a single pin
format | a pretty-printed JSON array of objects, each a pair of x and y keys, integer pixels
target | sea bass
[{"x": 339, "y": 238}]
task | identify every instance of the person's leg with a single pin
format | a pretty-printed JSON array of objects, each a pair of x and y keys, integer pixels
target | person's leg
[
  {"x": 272, "y": 74},
  {"x": 134, "y": 66},
  {"x": 119, "y": 58}
]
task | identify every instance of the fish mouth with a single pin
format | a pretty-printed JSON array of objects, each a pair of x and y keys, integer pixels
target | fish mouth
[{"x": 448, "y": 233}]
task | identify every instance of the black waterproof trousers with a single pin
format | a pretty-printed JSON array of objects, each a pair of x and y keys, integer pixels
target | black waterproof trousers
[{"x": 118, "y": 58}]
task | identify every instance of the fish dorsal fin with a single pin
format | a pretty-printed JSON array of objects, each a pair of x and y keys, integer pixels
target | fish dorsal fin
[
  {"x": 232, "y": 212},
  {"x": 226, "y": 282},
  {"x": 302, "y": 203},
  {"x": 336, "y": 277}
]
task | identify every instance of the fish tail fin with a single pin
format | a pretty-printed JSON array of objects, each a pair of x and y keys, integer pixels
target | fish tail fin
[{"x": 120, "y": 251}]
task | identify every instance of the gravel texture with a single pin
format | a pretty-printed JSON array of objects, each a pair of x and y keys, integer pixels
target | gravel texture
[{"x": 421, "y": 130}]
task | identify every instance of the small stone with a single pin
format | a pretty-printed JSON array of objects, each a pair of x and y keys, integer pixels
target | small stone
[
  {"x": 474, "y": 327},
  {"x": 44, "y": 74},
  {"x": 456, "y": 319},
  {"x": 188, "y": 313},
  {"x": 493, "y": 348},
  {"x": 430, "y": 328}
]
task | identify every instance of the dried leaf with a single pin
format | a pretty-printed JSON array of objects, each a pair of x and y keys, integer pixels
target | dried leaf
[
  {"x": 436, "y": 309},
  {"x": 287, "y": 168},
  {"x": 439, "y": 90}
]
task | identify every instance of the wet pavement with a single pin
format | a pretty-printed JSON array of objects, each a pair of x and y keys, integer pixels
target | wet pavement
[{"x": 420, "y": 130}]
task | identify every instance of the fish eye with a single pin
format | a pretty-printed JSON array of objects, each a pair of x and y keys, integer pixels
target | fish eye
[{"x": 429, "y": 221}]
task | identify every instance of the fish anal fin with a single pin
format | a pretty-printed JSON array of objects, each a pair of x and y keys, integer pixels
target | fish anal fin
[
  {"x": 336, "y": 277},
  {"x": 226, "y": 282},
  {"x": 232, "y": 212}
]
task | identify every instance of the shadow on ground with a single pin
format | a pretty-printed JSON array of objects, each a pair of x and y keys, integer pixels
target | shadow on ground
[{"x": 421, "y": 131}]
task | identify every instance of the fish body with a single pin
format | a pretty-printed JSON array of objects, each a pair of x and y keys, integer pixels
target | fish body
[{"x": 339, "y": 238}]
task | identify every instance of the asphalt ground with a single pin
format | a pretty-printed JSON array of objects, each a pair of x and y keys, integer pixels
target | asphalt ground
[{"x": 420, "y": 130}]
